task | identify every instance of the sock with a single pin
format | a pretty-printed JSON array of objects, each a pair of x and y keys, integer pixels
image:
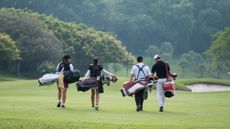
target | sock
[{"x": 62, "y": 103}]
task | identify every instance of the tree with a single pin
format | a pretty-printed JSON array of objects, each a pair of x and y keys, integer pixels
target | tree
[
  {"x": 184, "y": 62},
  {"x": 116, "y": 67},
  {"x": 151, "y": 51},
  {"x": 46, "y": 39},
  {"x": 166, "y": 50},
  {"x": 219, "y": 52},
  {"x": 9, "y": 53},
  {"x": 187, "y": 24},
  {"x": 8, "y": 48},
  {"x": 36, "y": 44},
  {"x": 166, "y": 47},
  {"x": 192, "y": 61}
]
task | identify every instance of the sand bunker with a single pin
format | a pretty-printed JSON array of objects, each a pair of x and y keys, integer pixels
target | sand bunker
[{"x": 208, "y": 88}]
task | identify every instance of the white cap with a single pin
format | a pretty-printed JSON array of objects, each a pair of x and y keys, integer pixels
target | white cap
[{"x": 156, "y": 57}]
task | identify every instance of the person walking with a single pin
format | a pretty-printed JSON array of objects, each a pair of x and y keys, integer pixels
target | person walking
[
  {"x": 160, "y": 68},
  {"x": 94, "y": 71},
  {"x": 139, "y": 73},
  {"x": 64, "y": 65}
]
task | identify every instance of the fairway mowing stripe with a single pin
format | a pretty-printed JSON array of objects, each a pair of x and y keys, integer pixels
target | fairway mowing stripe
[{"x": 30, "y": 106}]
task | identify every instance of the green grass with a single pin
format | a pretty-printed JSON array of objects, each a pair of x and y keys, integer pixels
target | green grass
[
  {"x": 24, "y": 105},
  {"x": 7, "y": 78}
]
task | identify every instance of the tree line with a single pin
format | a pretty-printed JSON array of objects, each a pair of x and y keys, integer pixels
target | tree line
[
  {"x": 40, "y": 41},
  {"x": 186, "y": 24}
]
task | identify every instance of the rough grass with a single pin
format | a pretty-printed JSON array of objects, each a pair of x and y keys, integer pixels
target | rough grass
[
  {"x": 7, "y": 78},
  {"x": 24, "y": 105}
]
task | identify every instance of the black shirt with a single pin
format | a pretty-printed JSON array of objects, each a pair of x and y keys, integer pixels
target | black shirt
[
  {"x": 62, "y": 65},
  {"x": 95, "y": 70},
  {"x": 160, "y": 68}
]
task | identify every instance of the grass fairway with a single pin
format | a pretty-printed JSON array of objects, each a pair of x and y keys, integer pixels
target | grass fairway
[{"x": 24, "y": 105}]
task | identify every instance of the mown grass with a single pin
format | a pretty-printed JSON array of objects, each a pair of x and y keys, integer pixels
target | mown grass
[{"x": 24, "y": 105}]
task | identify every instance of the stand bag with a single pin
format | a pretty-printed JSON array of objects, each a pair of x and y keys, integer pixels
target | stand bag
[
  {"x": 87, "y": 84},
  {"x": 169, "y": 87}
]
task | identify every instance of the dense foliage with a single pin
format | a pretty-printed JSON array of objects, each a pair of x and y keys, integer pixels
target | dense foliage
[
  {"x": 219, "y": 52},
  {"x": 8, "y": 48},
  {"x": 187, "y": 24},
  {"x": 43, "y": 40}
]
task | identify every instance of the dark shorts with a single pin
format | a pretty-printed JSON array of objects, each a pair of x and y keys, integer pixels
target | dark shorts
[
  {"x": 66, "y": 84},
  {"x": 100, "y": 88}
]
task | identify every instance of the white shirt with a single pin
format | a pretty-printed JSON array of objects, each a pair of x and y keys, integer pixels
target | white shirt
[{"x": 142, "y": 75}]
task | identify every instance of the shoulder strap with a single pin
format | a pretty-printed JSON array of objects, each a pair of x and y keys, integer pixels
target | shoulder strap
[
  {"x": 140, "y": 70},
  {"x": 167, "y": 69}
]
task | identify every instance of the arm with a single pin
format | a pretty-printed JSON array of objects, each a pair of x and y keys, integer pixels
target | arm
[
  {"x": 107, "y": 72},
  {"x": 57, "y": 67},
  {"x": 132, "y": 74},
  {"x": 148, "y": 72},
  {"x": 58, "y": 70},
  {"x": 131, "y": 77},
  {"x": 153, "y": 72},
  {"x": 153, "y": 69},
  {"x": 87, "y": 74},
  {"x": 169, "y": 69}
]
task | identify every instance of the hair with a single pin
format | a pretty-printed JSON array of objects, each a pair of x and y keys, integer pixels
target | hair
[
  {"x": 139, "y": 59},
  {"x": 95, "y": 60},
  {"x": 66, "y": 57}
]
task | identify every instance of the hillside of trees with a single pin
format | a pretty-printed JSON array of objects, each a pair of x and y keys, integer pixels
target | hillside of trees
[
  {"x": 192, "y": 35},
  {"x": 186, "y": 24},
  {"x": 40, "y": 41}
]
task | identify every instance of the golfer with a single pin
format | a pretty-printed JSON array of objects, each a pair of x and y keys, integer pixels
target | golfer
[
  {"x": 94, "y": 71},
  {"x": 139, "y": 73},
  {"x": 64, "y": 65},
  {"x": 159, "y": 68}
]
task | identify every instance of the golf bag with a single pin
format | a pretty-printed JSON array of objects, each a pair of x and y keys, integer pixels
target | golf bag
[
  {"x": 71, "y": 76},
  {"x": 169, "y": 87},
  {"x": 87, "y": 84},
  {"x": 48, "y": 79},
  {"x": 130, "y": 88}
]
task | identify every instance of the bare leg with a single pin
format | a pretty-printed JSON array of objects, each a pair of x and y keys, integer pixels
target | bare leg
[
  {"x": 92, "y": 96},
  {"x": 64, "y": 95},
  {"x": 59, "y": 95},
  {"x": 97, "y": 97}
]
